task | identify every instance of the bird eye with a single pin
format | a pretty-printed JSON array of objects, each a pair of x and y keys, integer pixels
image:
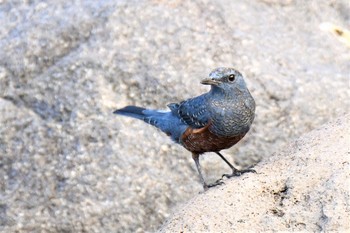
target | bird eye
[{"x": 231, "y": 78}]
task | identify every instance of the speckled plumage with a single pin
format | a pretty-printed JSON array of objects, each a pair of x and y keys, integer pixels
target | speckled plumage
[{"x": 210, "y": 122}]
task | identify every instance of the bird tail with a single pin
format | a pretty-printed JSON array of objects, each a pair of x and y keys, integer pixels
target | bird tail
[
  {"x": 152, "y": 117},
  {"x": 131, "y": 111},
  {"x": 166, "y": 121}
]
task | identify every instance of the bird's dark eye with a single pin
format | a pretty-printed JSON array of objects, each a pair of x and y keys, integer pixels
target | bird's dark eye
[{"x": 231, "y": 78}]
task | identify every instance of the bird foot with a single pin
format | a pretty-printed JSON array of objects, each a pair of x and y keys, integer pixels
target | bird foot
[
  {"x": 216, "y": 183},
  {"x": 238, "y": 173}
]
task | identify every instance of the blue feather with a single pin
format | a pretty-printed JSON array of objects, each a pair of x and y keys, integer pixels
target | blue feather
[{"x": 166, "y": 121}]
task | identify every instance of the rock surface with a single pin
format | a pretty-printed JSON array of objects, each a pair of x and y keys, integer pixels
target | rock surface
[
  {"x": 304, "y": 188},
  {"x": 68, "y": 165}
]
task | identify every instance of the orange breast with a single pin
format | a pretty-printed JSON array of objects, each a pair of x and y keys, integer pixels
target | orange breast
[{"x": 202, "y": 140}]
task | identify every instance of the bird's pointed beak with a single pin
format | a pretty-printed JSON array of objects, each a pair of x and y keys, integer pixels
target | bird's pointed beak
[{"x": 209, "y": 81}]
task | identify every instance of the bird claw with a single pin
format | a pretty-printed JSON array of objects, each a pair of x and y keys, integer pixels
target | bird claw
[
  {"x": 216, "y": 183},
  {"x": 237, "y": 173}
]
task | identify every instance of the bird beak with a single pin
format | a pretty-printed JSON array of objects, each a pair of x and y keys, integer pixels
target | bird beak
[{"x": 209, "y": 81}]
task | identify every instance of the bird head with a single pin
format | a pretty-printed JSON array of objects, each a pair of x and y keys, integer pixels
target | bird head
[{"x": 225, "y": 79}]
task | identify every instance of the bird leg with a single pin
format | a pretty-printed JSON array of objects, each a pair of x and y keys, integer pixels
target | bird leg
[
  {"x": 196, "y": 160},
  {"x": 205, "y": 185},
  {"x": 235, "y": 171}
]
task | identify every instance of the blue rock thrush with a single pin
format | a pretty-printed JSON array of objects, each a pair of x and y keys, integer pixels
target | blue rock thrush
[{"x": 210, "y": 122}]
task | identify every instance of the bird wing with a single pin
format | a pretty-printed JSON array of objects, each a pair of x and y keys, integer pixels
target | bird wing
[{"x": 193, "y": 112}]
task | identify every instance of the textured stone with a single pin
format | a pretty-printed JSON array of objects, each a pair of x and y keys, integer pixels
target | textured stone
[
  {"x": 303, "y": 188},
  {"x": 68, "y": 164}
]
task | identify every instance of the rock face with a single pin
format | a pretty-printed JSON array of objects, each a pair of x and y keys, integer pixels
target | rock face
[
  {"x": 67, "y": 164},
  {"x": 303, "y": 188}
]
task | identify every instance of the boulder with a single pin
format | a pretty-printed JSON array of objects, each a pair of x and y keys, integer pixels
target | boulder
[
  {"x": 304, "y": 188},
  {"x": 67, "y": 164}
]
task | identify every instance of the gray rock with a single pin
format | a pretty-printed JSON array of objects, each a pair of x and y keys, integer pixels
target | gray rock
[
  {"x": 68, "y": 164},
  {"x": 303, "y": 188}
]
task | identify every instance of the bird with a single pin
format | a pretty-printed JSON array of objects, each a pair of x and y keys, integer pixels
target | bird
[{"x": 210, "y": 122}]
